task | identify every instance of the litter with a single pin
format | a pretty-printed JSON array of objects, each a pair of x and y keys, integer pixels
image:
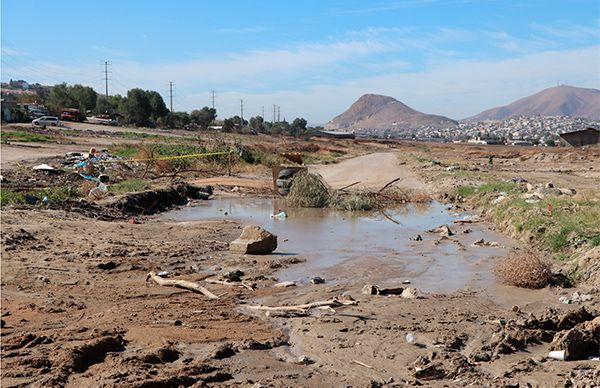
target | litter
[
  {"x": 279, "y": 216},
  {"x": 43, "y": 167},
  {"x": 317, "y": 280},
  {"x": 410, "y": 338},
  {"x": 163, "y": 274},
  {"x": 564, "y": 300},
  {"x": 557, "y": 355},
  {"x": 284, "y": 284}
]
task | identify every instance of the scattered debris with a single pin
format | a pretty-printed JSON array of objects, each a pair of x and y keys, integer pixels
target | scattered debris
[
  {"x": 254, "y": 240},
  {"x": 43, "y": 167},
  {"x": 335, "y": 302},
  {"x": 442, "y": 230},
  {"x": 305, "y": 360},
  {"x": 285, "y": 284},
  {"x": 410, "y": 293},
  {"x": 483, "y": 243},
  {"x": 279, "y": 216},
  {"x": 317, "y": 280},
  {"x": 417, "y": 238}
]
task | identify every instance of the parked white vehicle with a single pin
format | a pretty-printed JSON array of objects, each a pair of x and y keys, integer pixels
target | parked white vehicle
[{"x": 46, "y": 120}]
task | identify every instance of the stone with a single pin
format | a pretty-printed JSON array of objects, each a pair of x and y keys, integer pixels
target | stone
[
  {"x": 410, "y": 293},
  {"x": 254, "y": 240},
  {"x": 370, "y": 289},
  {"x": 442, "y": 230}
]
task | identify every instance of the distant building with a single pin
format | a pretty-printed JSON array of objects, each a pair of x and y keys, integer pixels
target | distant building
[
  {"x": 333, "y": 134},
  {"x": 582, "y": 138}
]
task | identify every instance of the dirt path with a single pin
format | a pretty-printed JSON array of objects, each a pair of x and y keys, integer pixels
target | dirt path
[{"x": 373, "y": 171}]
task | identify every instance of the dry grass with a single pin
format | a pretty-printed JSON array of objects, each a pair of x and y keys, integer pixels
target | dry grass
[
  {"x": 523, "y": 269},
  {"x": 309, "y": 190}
]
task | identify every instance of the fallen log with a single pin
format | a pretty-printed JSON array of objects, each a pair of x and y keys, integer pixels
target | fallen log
[
  {"x": 195, "y": 287},
  {"x": 307, "y": 306}
]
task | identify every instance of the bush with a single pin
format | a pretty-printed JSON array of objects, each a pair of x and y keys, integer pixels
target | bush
[
  {"x": 309, "y": 190},
  {"x": 523, "y": 269},
  {"x": 353, "y": 201}
]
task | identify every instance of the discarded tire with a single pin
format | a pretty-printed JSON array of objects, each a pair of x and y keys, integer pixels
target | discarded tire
[{"x": 285, "y": 173}]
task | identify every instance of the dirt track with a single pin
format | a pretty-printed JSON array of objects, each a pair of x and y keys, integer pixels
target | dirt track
[{"x": 373, "y": 171}]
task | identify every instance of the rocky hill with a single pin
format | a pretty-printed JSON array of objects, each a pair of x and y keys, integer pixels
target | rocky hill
[
  {"x": 556, "y": 101},
  {"x": 376, "y": 112}
]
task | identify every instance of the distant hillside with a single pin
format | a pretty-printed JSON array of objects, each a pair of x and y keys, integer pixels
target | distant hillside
[
  {"x": 372, "y": 111},
  {"x": 557, "y": 101}
]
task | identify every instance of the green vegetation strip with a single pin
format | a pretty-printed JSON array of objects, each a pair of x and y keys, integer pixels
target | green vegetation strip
[
  {"x": 558, "y": 225},
  {"x": 23, "y": 136}
]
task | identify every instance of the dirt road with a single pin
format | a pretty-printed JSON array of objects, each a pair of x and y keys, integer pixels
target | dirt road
[{"x": 373, "y": 171}]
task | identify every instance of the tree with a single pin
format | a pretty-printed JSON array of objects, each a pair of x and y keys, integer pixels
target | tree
[
  {"x": 137, "y": 107},
  {"x": 84, "y": 96},
  {"x": 298, "y": 126},
  {"x": 177, "y": 119},
  {"x": 203, "y": 117},
  {"x": 60, "y": 98},
  {"x": 228, "y": 125},
  {"x": 159, "y": 109},
  {"x": 107, "y": 105},
  {"x": 257, "y": 124}
]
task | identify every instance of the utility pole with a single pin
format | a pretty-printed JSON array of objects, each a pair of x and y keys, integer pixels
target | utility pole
[
  {"x": 278, "y": 114},
  {"x": 106, "y": 77},
  {"x": 171, "y": 94},
  {"x": 212, "y": 92},
  {"x": 274, "y": 113},
  {"x": 242, "y": 111}
]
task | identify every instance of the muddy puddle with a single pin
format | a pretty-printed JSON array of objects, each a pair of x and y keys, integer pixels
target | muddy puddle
[{"x": 350, "y": 247}]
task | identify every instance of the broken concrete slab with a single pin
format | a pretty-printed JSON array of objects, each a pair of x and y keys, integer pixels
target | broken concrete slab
[{"x": 254, "y": 240}]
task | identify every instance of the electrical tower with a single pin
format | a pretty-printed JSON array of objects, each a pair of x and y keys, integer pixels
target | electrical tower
[
  {"x": 171, "y": 94},
  {"x": 274, "y": 110},
  {"x": 242, "y": 111},
  {"x": 212, "y": 93},
  {"x": 263, "y": 112},
  {"x": 106, "y": 63},
  {"x": 278, "y": 113}
]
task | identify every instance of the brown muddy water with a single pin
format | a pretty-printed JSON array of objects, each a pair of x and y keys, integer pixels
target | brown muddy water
[{"x": 367, "y": 247}]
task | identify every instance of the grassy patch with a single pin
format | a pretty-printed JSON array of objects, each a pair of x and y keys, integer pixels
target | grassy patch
[
  {"x": 595, "y": 241},
  {"x": 22, "y": 136},
  {"x": 486, "y": 188},
  {"x": 128, "y": 186},
  {"x": 57, "y": 194},
  {"x": 124, "y": 150}
]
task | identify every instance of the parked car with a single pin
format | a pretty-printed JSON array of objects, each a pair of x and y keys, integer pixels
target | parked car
[{"x": 46, "y": 120}]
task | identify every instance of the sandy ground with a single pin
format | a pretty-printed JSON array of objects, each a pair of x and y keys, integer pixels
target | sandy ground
[{"x": 77, "y": 309}]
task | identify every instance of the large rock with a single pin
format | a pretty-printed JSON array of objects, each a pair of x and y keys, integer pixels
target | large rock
[{"x": 254, "y": 241}]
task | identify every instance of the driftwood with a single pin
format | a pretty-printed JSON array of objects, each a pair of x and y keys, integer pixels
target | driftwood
[
  {"x": 243, "y": 283},
  {"x": 389, "y": 184},
  {"x": 195, "y": 287},
  {"x": 362, "y": 364},
  {"x": 307, "y": 306}
]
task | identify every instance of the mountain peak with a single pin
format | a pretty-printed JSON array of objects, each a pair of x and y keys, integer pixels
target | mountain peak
[
  {"x": 561, "y": 100},
  {"x": 377, "y": 112}
]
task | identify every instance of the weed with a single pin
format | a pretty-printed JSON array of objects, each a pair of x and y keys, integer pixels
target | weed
[
  {"x": 128, "y": 186},
  {"x": 523, "y": 269},
  {"x": 124, "y": 150},
  {"x": 595, "y": 241},
  {"x": 309, "y": 190},
  {"x": 56, "y": 194},
  {"x": 353, "y": 201},
  {"x": 8, "y": 197}
]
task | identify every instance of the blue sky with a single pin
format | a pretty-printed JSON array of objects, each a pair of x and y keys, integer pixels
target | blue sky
[{"x": 312, "y": 58}]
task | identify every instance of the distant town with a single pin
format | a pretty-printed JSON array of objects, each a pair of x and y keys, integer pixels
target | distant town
[{"x": 520, "y": 130}]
